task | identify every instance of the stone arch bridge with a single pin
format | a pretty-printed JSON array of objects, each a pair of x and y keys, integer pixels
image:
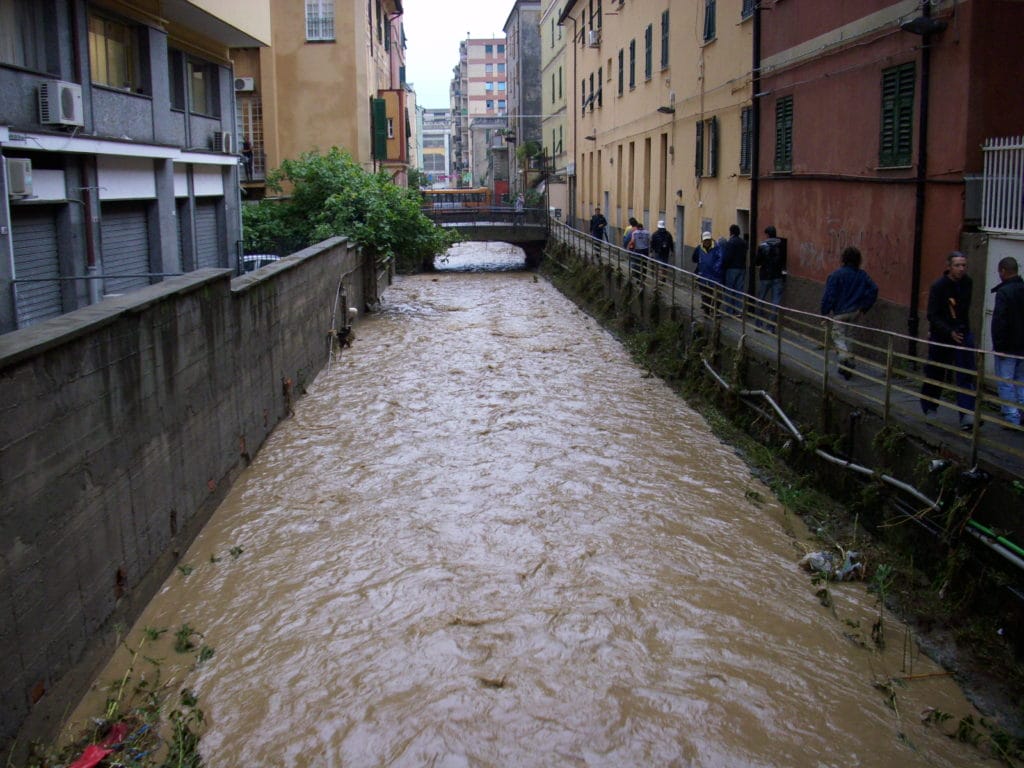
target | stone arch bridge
[{"x": 528, "y": 229}]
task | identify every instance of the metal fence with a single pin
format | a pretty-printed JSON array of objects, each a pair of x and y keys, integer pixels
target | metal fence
[{"x": 884, "y": 375}]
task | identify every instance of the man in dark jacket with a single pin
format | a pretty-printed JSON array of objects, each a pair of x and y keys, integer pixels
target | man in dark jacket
[
  {"x": 598, "y": 225},
  {"x": 849, "y": 293},
  {"x": 949, "y": 309},
  {"x": 708, "y": 257},
  {"x": 734, "y": 266},
  {"x": 771, "y": 258},
  {"x": 1008, "y": 339}
]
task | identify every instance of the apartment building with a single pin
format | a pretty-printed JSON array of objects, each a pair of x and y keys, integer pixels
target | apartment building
[
  {"x": 554, "y": 117},
  {"x": 333, "y": 76},
  {"x": 522, "y": 38},
  {"x": 116, "y": 127},
  {"x": 436, "y": 136},
  {"x": 479, "y": 88},
  {"x": 660, "y": 106},
  {"x": 874, "y": 117}
]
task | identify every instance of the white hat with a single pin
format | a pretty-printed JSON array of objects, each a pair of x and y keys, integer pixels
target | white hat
[
  {"x": 706, "y": 236},
  {"x": 661, "y": 225}
]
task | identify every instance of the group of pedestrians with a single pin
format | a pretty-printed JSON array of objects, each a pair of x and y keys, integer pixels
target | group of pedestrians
[{"x": 848, "y": 295}]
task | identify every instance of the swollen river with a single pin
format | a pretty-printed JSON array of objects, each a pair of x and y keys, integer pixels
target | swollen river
[{"x": 487, "y": 538}]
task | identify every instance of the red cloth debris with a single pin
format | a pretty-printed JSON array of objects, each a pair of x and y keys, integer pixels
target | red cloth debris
[{"x": 94, "y": 753}]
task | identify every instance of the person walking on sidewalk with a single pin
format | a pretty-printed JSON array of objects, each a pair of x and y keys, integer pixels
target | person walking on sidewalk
[
  {"x": 598, "y": 225},
  {"x": 662, "y": 246},
  {"x": 849, "y": 294},
  {"x": 640, "y": 244},
  {"x": 771, "y": 258},
  {"x": 708, "y": 256},
  {"x": 1008, "y": 340},
  {"x": 734, "y": 266},
  {"x": 952, "y": 343}
]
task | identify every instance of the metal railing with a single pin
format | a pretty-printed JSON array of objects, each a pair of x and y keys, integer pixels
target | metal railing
[
  {"x": 1002, "y": 202},
  {"x": 884, "y": 376},
  {"x": 484, "y": 216}
]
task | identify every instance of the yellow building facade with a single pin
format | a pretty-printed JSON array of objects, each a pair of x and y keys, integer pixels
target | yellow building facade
[
  {"x": 315, "y": 86},
  {"x": 660, "y": 107},
  {"x": 554, "y": 114}
]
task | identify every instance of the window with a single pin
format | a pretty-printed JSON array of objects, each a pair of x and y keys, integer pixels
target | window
[
  {"x": 319, "y": 19},
  {"x": 501, "y": 68},
  {"x": 488, "y": 87},
  {"x": 23, "y": 34},
  {"x": 664, "y": 40},
  {"x": 648, "y": 51},
  {"x": 748, "y": 9},
  {"x": 501, "y": 50},
  {"x": 502, "y": 85},
  {"x": 552, "y": 32},
  {"x": 489, "y": 104},
  {"x": 488, "y": 69},
  {"x": 391, "y": 127},
  {"x": 176, "y": 76},
  {"x": 600, "y": 84},
  {"x": 583, "y": 94},
  {"x": 709, "y": 20},
  {"x": 590, "y": 99},
  {"x": 784, "y": 134},
  {"x": 632, "y": 64},
  {"x": 897, "y": 137},
  {"x": 488, "y": 50},
  {"x": 706, "y": 155},
  {"x": 552, "y": 87},
  {"x": 113, "y": 53},
  {"x": 746, "y": 137},
  {"x": 203, "y": 91},
  {"x": 501, "y": 104},
  {"x": 560, "y": 78},
  {"x": 622, "y": 69}
]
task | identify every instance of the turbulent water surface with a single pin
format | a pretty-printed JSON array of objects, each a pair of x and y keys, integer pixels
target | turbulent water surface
[{"x": 487, "y": 538}]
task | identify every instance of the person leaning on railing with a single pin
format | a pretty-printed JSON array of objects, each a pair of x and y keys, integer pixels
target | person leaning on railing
[
  {"x": 1008, "y": 339},
  {"x": 849, "y": 293},
  {"x": 949, "y": 307}
]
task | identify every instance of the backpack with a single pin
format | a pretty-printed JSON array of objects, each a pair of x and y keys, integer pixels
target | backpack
[{"x": 641, "y": 239}]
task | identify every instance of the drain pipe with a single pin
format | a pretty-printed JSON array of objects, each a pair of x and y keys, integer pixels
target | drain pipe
[{"x": 9, "y": 237}]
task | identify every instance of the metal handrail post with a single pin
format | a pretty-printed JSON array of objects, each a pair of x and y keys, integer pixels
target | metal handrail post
[
  {"x": 888, "y": 382},
  {"x": 979, "y": 384}
]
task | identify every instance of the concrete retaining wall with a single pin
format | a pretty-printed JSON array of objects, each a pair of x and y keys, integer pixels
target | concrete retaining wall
[{"x": 121, "y": 427}]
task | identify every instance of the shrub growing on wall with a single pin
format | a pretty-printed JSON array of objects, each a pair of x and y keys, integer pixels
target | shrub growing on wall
[{"x": 331, "y": 194}]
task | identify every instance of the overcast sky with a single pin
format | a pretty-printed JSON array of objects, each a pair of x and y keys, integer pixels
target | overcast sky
[{"x": 434, "y": 29}]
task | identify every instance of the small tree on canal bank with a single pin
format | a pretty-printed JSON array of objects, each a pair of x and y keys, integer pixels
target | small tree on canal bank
[{"x": 331, "y": 194}]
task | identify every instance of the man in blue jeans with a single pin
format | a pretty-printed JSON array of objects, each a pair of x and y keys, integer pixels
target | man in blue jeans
[
  {"x": 1008, "y": 339},
  {"x": 949, "y": 308},
  {"x": 849, "y": 293},
  {"x": 771, "y": 258},
  {"x": 734, "y": 267}
]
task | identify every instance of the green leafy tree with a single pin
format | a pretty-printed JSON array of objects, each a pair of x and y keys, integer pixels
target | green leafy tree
[
  {"x": 331, "y": 194},
  {"x": 418, "y": 179}
]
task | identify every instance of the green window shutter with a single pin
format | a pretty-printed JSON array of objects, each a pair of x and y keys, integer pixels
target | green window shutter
[
  {"x": 380, "y": 129},
  {"x": 896, "y": 142},
  {"x": 698, "y": 166},
  {"x": 648, "y": 51},
  {"x": 664, "y": 39},
  {"x": 746, "y": 136},
  {"x": 784, "y": 134}
]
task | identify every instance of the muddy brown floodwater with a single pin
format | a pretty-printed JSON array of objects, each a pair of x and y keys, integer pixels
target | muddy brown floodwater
[{"x": 487, "y": 538}]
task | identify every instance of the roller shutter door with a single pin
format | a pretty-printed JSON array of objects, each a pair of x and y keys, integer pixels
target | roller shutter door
[
  {"x": 208, "y": 245},
  {"x": 125, "y": 231},
  {"x": 36, "y": 258}
]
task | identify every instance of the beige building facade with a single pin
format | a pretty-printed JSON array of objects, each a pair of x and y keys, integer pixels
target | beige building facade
[
  {"x": 332, "y": 76},
  {"x": 554, "y": 116},
  {"x": 659, "y": 108}
]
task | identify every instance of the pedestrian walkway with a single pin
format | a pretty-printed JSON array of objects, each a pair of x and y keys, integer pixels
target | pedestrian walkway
[{"x": 887, "y": 377}]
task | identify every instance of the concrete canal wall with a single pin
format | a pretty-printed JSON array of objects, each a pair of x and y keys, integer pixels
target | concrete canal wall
[{"x": 123, "y": 424}]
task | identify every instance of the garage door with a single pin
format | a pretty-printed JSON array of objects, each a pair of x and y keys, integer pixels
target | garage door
[
  {"x": 208, "y": 244},
  {"x": 125, "y": 232},
  {"x": 35, "y": 258}
]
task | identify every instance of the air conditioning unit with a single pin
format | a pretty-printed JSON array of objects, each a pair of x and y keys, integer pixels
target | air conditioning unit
[
  {"x": 19, "y": 177},
  {"x": 222, "y": 142},
  {"x": 594, "y": 38},
  {"x": 60, "y": 103},
  {"x": 244, "y": 84}
]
